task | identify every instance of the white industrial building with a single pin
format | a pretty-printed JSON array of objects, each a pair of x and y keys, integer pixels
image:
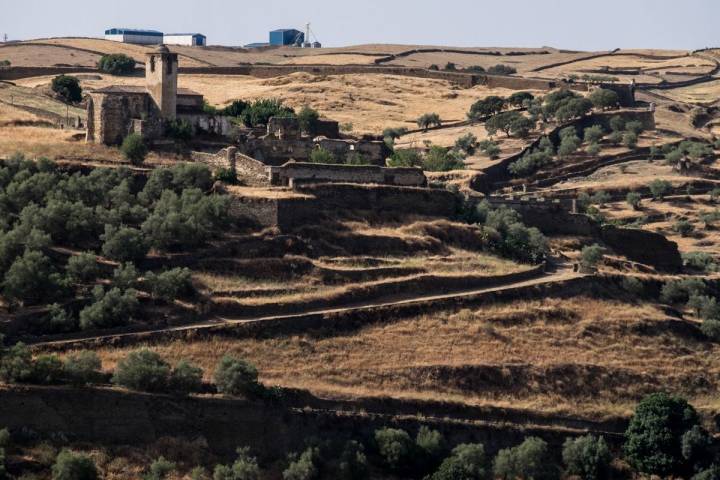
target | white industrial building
[
  {"x": 140, "y": 37},
  {"x": 190, "y": 39}
]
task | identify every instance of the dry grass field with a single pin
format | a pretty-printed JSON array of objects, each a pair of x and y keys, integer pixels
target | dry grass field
[
  {"x": 370, "y": 102},
  {"x": 582, "y": 356},
  {"x": 703, "y": 93}
]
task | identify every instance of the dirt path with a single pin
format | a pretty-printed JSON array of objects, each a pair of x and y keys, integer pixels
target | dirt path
[{"x": 563, "y": 272}]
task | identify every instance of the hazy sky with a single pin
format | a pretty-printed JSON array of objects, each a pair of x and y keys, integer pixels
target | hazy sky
[{"x": 572, "y": 24}]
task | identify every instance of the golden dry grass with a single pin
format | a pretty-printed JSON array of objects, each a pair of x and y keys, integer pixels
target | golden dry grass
[
  {"x": 701, "y": 93},
  {"x": 441, "y": 356},
  {"x": 370, "y": 102}
]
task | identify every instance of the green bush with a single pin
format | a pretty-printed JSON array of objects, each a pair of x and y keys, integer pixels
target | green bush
[
  {"x": 428, "y": 120},
  {"x": 307, "y": 119},
  {"x": 684, "y": 228},
  {"x": 170, "y": 284},
  {"x": 68, "y": 88},
  {"x": 179, "y": 130},
  {"x": 512, "y": 123},
  {"x": 245, "y": 467},
  {"x": 235, "y": 109},
  {"x": 530, "y": 459},
  {"x": 353, "y": 462},
  {"x": 466, "y": 143},
  {"x": 603, "y": 98},
  {"x": 633, "y": 286},
  {"x": 592, "y": 255},
  {"x": 82, "y": 268},
  {"x": 31, "y": 279},
  {"x": 634, "y": 126},
  {"x": 696, "y": 445},
  {"x": 630, "y": 140},
  {"x": 321, "y": 155},
  {"x": 680, "y": 291},
  {"x": 501, "y": 69},
  {"x": 394, "y": 132},
  {"x": 142, "y": 370},
  {"x": 16, "y": 364},
  {"x": 466, "y": 462},
  {"x": 518, "y": 99},
  {"x": 404, "y": 158},
  {"x": 83, "y": 368},
  {"x": 711, "y": 329},
  {"x": 185, "y": 378},
  {"x": 46, "y": 370},
  {"x": 654, "y": 437},
  {"x": 701, "y": 261},
  {"x": 116, "y": 64},
  {"x": 440, "y": 159},
  {"x": 660, "y": 188},
  {"x": 587, "y": 457},
  {"x": 712, "y": 473},
  {"x": 617, "y": 123},
  {"x": 395, "y": 447},
  {"x": 110, "y": 308},
  {"x": 160, "y": 469},
  {"x": 262, "y": 110},
  {"x": 133, "y": 149},
  {"x": 236, "y": 377},
  {"x": 74, "y": 466},
  {"x": 486, "y": 107},
  {"x": 490, "y": 148},
  {"x": 600, "y": 198},
  {"x": 356, "y": 158},
  {"x": 125, "y": 276},
  {"x": 303, "y": 467},
  {"x": 634, "y": 199},
  {"x": 593, "y": 134}
]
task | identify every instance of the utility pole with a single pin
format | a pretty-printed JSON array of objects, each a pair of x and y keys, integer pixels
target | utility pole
[{"x": 5, "y": 38}]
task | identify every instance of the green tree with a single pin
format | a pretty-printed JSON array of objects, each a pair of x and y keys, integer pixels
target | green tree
[
  {"x": 116, "y": 64},
  {"x": 321, "y": 155},
  {"x": 142, "y": 370},
  {"x": 654, "y": 437},
  {"x": 634, "y": 126},
  {"x": 353, "y": 462},
  {"x": 404, "y": 158},
  {"x": 428, "y": 120},
  {"x": 592, "y": 255},
  {"x": 68, "y": 88},
  {"x": 16, "y": 364},
  {"x": 617, "y": 123},
  {"x": 307, "y": 119},
  {"x": 660, "y": 188},
  {"x": 31, "y": 279},
  {"x": 634, "y": 199},
  {"x": 159, "y": 469},
  {"x": 304, "y": 466},
  {"x": 587, "y": 457},
  {"x": 178, "y": 129},
  {"x": 74, "y": 466},
  {"x": 170, "y": 284},
  {"x": 124, "y": 244},
  {"x": 109, "y": 309},
  {"x": 83, "y": 368},
  {"x": 466, "y": 143},
  {"x": 467, "y": 462},
  {"x": 440, "y": 159},
  {"x": 486, "y": 107},
  {"x": 236, "y": 377},
  {"x": 518, "y": 99},
  {"x": 262, "y": 110},
  {"x": 593, "y": 134},
  {"x": 684, "y": 228},
  {"x": 133, "y": 149},
  {"x": 509, "y": 122},
  {"x": 245, "y": 467},
  {"x": 186, "y": 377},
  {"x": 82, "y": 268},
  {"x": 530, "y": 459},
  {"x": 630, "y": 140},
  {"x": 604, "y": 99},
  {"x": 395, "y": 447}
]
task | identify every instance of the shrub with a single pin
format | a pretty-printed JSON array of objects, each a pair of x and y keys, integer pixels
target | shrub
[
  {"x": 600, "y": 198},
  {"x": 467, "y": 462},
  {"x": 395, "y": 447},
  {"x": 501, "y": 69},
  {"x": 46, "y": 370},
  {"x": 159, "y": 469},
  {"x": 593, "y": 134},
  {"x": 711, "y": 329},
  {"x": 630, "y": 140},
  {"x": 236, "y": 377},
  {"x": 440, "y": 159},
  {"x": 185, "y": 378},
  {"x": 634, "y": 199},
  {"x": 226, "y": 175},
  {"x": 116, "y": 64},
  {"x": 404, "y": 158},
  {"x": 696, "y": 447},
  {"x": 518, "y": 99},
  {"x": 133, "y": 149},
  {"x": 110, "y": 308},
  {"x": 82, "y": 268},
  {"x": 245, "y": 467},
  {"x": 633, "y": 286},
  {"x": 68, "y": 88},
  {"x": 530, "y": 459},
  {"x": 321, "y": 155},
  {"x": 142, "y": 370},
  {"x": 702, "y": 261},
  {"x": 236, "y": 108},
  {"x": 466, "y": 143},
  {"x": 615, "y": 138},
  {"x": 356, "y": 158},
  {"x": 170, "y": 284},
  {"x": 712, "y": 473},
  {"x": 16, "y": 364},
  {"x": 60, "y": 320},
  {"x": 634, "y": 126},
  {"x": 660, "y": 188},
  {"x": 428, "y": 120},
  {"x": 179, "y": 130},
  {"x": 684, "y": 228},
  {"x": 307, "y": 119},
  {"x": 82, "y": 368},
  {"x": 353, "y": 462},
  {"x": 587, "y": 457},
  {"x": 394, "y": 133},
  {"x": 30, "y": 278},
  {"x": 260, "y": 111},
  {"x": 680, "y": 291},
  {"x": 592, "y": 255},
  {"x": 512, "y": 122},
  {"x": 125, "y": 276},
  {"x": 654, "y": 437},
  {"x": 604, "y": 98},
  {"x": 303, "y": 467},
  {"x": 617, "y": 123},
  {"x": 74, "y": 466}
]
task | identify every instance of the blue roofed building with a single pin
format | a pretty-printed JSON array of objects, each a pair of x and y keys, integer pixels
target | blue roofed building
[
  {"x": 286, "y": 36},
  {"x": 129, "y": 35}
]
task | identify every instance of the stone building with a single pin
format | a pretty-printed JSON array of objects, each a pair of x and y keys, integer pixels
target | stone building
[{"x": 114, "y": 112}]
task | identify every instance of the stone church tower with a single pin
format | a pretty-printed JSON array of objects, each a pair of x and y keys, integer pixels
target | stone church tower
[{"x": 161, "y": 80}]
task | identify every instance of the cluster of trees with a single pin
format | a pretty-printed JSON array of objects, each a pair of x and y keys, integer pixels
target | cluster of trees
[
  {"x": 499, "y": 69},
  {"x": 257, "y": 113},
  {"x": 436, "y": 159},
  {"x": 67, "y": 88},
  {"x": 533, "y": 160},
  {"x": 108, "y": 212},
  {"x": 116, "y": 64},
  {"x": 695, "y": 295},
  {"x": 494, "y": 104},
  {"x": 688, "y": 150},
  {"x": 428, "y": 120},
  {"x": 504, "y": 233}
]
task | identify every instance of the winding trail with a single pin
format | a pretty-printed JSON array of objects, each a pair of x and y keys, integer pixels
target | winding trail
[{"x": 563, "y": 272}]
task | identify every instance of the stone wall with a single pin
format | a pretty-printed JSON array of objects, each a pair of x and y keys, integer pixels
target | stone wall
[
  {"x": 275, "y": 151},
  {"x": 294, "y": 173},
  {"x": 212, "y": 124},
  {"x": 111, "y": 116},
  {"x": 249, "y": 171}
]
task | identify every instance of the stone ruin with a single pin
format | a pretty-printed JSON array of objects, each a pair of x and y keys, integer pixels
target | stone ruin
[{"x": 114, "y": 112}]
